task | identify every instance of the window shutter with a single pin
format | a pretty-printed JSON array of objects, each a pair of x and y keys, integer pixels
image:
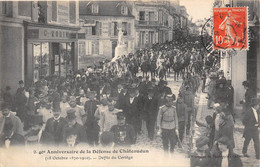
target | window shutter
[
  {"x": 155, "y": 16},
  {"x": 146, "y": 16},
  {"x": 129, "y": 29},
  {"x": 109, "y": 29},
  {"x": 101, "y": 47},
  {"x": 97, "y": 28},
  {"x": 100, "y": 28}
]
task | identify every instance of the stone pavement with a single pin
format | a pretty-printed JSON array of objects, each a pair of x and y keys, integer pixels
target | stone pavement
[{"x": 203, "y": 111}]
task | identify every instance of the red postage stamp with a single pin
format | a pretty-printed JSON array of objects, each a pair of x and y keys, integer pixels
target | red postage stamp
[{"x": 230, "y": 28}]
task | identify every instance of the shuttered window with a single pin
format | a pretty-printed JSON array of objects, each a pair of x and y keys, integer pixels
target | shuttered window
[
  {"x": 72, "y": 10},
  {"x": 54, "y": 11}
]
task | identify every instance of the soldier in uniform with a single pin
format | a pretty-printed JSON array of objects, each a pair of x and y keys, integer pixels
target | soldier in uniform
[
  {"x": 167, "y": 122},
  {"x": 124, "y": 134}
]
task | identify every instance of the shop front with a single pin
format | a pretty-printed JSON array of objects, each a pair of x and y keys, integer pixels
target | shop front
[{"x": 49, "y": 50}]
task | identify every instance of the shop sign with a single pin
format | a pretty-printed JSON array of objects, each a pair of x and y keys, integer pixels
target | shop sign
[
  {"x": 47, "y": 33},
  {"x": 63, "y": 12}
]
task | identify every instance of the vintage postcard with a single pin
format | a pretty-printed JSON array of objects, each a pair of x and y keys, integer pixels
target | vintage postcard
[{"x": 129, "y": 83}]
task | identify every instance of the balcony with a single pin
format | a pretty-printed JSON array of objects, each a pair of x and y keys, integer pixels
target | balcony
[{"x": 143, "y": 22}]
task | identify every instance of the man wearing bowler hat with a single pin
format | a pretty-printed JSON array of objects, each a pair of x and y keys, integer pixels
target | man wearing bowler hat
[
  {"x": 78, "y": 130},
  {"x": 92, "y": 122},
  {"x": 251, "y": 122},
  {"x": 167, "y": 122},
  {"x": 54, "y": 126}
]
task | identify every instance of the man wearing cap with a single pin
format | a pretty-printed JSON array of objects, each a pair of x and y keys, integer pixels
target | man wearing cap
[
  {"x": 251, "y": 123},
  {"x": 249, "y": 94},
  {"x": 124, "y": 134},
  {"x": 54, "y": 126},
  {"x": 6, "y": 113},
  {"x": 74, "y": 129},
  {"x": 92, "y": 122},
  {"x": 21, "y": 86},
  {"x": 167, "y": 122}
]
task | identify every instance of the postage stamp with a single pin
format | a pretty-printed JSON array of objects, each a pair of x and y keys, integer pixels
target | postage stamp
[{"x": 230, "y": 28}]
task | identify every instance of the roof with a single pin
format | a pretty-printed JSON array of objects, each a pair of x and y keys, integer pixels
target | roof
[{"x": 106, "y": 8}]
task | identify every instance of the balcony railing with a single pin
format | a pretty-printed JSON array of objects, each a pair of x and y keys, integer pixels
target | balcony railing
[
  {"x": 143, "y": 22},
  {"x": 151, "y": 23}
]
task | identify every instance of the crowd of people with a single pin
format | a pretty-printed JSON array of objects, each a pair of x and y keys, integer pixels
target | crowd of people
[
  {"x": 79, "y": 108},
  {"x": 109, "y": 105},
  {"x": 216, "y": 141}
]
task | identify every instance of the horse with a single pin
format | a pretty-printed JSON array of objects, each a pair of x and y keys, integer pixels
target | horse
[
  {"x": 145, "y": 68},
  {"x": 153, "y": 68}
]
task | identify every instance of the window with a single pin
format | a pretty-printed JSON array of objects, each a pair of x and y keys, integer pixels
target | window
[
  {"x": 124, "y": 10},
  {"x": 94, "y": 8},
  {"x": 25, "y": 8},
  {"x": 42, "y": 11},
  {"x": 150, "y": 37},
  {"x": 142, "y": 38},
  {"x": 72, "y": 10},
  {"x": 97, "y": 29},
  {"x": 141, "y": 15},
  {"x": 160, "y": 17},
  {"x": 124, "y": 28},
  {"x": 95, "y": 47},
  {"x": 41, "y": 60},
  {"x": 54, "y": 11},
  {"x": 151, "y": 16},
  {"x": 115, "y": 33},
  {"x": 4, "y": 7},
  {"x": 94, "y": 30}
]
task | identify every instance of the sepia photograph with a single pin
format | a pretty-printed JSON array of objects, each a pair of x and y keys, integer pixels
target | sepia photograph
[{"x": 129, "y": 83}]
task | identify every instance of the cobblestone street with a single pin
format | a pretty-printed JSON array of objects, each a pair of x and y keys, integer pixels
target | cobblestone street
[{"x": 201, "y": 102}]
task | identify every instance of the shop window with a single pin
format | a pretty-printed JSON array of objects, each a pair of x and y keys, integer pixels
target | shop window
[
  {"x": 54, "y": 11},
  {"x": 72, "y": 9},
  {"x": 66, "y": 59},
  {"x": 41, "y": 60},
  {"x": 142, "y": 15},
  {"x": 124, "y": 10},
  {"x": 25, "y": 8},
  {"x": 94, "y": 8}
]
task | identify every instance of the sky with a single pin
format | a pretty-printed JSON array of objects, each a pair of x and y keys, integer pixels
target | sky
[{"x": 198, "y": 9}]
